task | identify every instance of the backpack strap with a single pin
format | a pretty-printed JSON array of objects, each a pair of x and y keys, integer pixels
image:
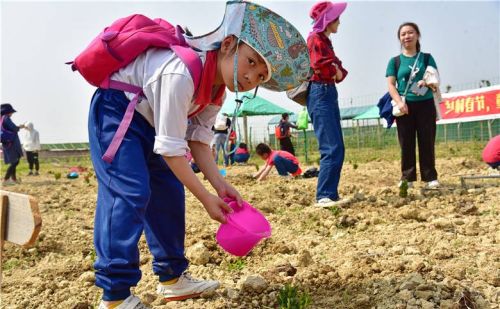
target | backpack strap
[
  {"x": 192, "y": 61},
  {"x": 426, "y": 59},
  {"x": 110, "y": 153},
  {"x": 397, "y": 63}
]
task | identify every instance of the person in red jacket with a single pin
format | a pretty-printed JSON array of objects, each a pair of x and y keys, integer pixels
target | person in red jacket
[{"x": 322, "y": 99}]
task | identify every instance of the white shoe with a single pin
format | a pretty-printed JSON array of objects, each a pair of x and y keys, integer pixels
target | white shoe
[
  {"x": 186, "y": 287},
  {"x": 432, "y": 184},
  {"x": 410, "y": 184},
  {"x": 328, "y": 202},
  {"x": 9, "y": 182},
  {"x": 131, "y": 302}
]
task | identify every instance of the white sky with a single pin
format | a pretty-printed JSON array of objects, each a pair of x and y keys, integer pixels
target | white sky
[{"x": 38, "y": 37}]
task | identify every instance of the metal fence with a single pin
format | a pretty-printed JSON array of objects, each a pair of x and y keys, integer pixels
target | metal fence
[{"x": 376, "y": 136}]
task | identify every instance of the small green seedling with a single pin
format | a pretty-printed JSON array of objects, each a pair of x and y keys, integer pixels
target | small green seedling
[
  {"x": 403, "y": 189},
  {"x": 289, "y": 297},
  {"x": 335, "y": 210},
  {"x": 57, "y": 176},
  {"x": 256, "y": 167},
  {"x": 236, "y": 265}
]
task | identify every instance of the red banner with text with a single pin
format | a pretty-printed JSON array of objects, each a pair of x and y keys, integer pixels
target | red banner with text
[{"x": 471, "y": 103}]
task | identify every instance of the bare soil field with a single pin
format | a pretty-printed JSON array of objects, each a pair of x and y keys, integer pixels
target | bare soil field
[{"x": 378, "y": 251}]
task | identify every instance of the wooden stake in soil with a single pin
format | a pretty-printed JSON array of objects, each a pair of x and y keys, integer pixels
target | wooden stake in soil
[
  {"x": 20, "y": 221},
  {"x": 3, "y": 220}
]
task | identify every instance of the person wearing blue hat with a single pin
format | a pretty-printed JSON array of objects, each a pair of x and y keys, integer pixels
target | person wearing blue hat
[
  {"x": 11, "y": 144},
  {"x": 142, "y": 189}
]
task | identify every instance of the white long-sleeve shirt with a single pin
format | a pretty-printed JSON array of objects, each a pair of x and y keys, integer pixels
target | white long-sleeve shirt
[
  {"x": 168, "y": 89},
  {"x": 31, "y": 138}
]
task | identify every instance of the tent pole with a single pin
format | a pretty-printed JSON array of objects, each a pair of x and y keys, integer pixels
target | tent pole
[
  {"x": 245, "y": 129},
  {"x": 250, "y": 137},
  {"x": 305, "y": 146}
]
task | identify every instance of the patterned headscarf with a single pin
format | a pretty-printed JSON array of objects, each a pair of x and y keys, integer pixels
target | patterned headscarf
[{"x": 276, "y": 40}]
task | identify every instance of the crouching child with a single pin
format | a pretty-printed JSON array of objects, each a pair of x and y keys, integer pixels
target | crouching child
[{"x": 286, "y": 164}]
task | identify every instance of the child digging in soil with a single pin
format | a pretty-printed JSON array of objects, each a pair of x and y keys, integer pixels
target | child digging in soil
[
  {"x": 286, "y": 164},
  {"x": 142, "y": 188}
]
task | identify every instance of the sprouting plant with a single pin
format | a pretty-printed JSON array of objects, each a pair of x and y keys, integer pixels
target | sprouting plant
[
  {"x": 290, "y": 297},
  {"x": 237, "y": 265},
  {"x": 93, "y": 257},
  {"x": 335, "y": 210},
  {"x": 10, "y": 264},
  {"x": 256, "y": 167},
  {"x": 355, "y": 166},
  {"x": 403, "y": 189},
  {"x": 57, "y": 175}
]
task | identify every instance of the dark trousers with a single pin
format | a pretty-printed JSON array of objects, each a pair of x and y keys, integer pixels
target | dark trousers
[
  {"x": 11, "y": 171},
  {"x": 285, "y": 166},
  {"x": 286, "y": 145},
  {"x": 32, "y": 157},
  {"x": 420, "y": 125}
]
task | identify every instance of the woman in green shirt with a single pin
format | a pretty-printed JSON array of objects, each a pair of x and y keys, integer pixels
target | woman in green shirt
[{"x": 418, "y": 121}]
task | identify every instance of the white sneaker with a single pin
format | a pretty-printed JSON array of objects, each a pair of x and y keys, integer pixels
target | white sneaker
[
  {"x": 186, "y": 287},
  {"x": 131, "y": 302},
  {"x": 432, "y": 184},
  {"x": 410, "y": 184},
  {"x": 328, "y": 202}
]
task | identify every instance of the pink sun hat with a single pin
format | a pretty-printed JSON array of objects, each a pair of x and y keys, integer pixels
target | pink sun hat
[{"x": 325, "y": 12}]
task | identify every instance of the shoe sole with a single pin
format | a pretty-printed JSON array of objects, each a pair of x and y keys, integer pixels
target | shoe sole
[
  {"x": 324, "y": 205},
  {"x": 183, "y": 297},
  {"x": 339, "y": 203}
]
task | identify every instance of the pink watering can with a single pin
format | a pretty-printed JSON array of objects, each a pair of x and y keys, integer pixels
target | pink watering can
[{"x": 243, "y": 229}]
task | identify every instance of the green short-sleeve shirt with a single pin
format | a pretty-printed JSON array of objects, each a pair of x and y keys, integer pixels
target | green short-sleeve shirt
[{"x": 406, "y": 63}]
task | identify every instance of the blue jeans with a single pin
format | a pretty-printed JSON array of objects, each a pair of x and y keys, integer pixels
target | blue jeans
[
  {"x": 285, "y": 166},
  {"x": 219, "y": 143},
  {"x": 137, "y": 192},
  {"x": 241, "y": 157},
  {"x": 323, "y": 108},
  {"x": 232, "y": 149}
]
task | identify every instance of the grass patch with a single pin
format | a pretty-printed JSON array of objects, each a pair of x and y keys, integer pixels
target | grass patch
[
  {"x": 10, "y": 264},
  {"x": 290, "y": 297},
  {"x": 237, "y": 265},
  {"x": 335, "y": 210}
]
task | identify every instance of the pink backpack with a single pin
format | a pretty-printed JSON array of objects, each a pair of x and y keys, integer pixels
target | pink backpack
[{"x": 117, "y": 46}]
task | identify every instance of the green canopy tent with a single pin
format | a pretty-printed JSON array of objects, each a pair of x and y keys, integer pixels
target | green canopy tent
[
  {"x": 251, "y": 107},
  {"x": 371, "y": 113}
]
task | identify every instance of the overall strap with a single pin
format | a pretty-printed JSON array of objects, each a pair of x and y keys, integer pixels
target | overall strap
[{"x": 110, "y": 153}]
